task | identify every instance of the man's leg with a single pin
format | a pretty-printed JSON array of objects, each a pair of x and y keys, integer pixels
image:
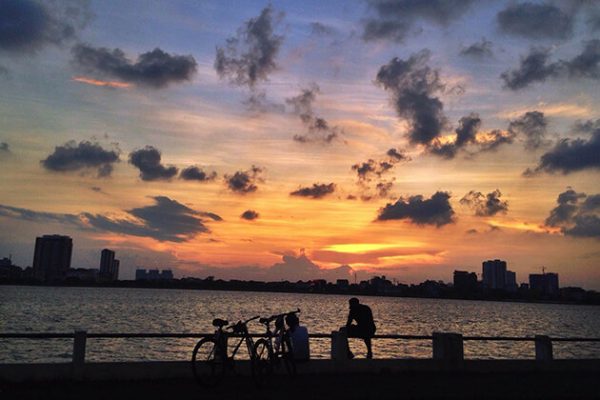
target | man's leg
[{"x": 368, "y": 344}]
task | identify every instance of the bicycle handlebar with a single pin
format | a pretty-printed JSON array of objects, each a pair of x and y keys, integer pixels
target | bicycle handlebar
[
  {"x": 239, "y": 323},
  {"x": 268, "y": 320}
]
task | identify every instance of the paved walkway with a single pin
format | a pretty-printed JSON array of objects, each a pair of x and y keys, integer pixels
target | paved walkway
[{"x": 407, "y": 385}]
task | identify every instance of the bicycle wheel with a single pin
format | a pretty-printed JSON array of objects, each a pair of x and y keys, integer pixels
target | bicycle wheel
[
  {"x": 262, "y": 362},
  {"x": 287, "y": 356},
  {"x": 208, "y": 362}
]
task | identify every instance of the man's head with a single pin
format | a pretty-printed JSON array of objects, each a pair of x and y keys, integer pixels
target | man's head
[
  {"x": 353, "y": 302},
  {"x": 292, "y": 320}
]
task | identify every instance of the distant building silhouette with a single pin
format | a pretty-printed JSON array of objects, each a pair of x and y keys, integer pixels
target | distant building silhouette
[
  {"x": 465, "y": 282},
  {"x": 109, "y": 266},
  {"x": 497, "y": 277},
  {"x": 52, "y": 257},
  {"x": 544, "y": 283},
  {"x": 142, "y": 274},
  {"x": 511, "y": 281},
  {"x": 342, "y": 283},
  {"x": 494, "y": 274}
]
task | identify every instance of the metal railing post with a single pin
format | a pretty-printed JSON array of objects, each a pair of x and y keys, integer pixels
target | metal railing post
[
  {"x": 79, "y": 342},
  {"x": 543, "y": 348}
]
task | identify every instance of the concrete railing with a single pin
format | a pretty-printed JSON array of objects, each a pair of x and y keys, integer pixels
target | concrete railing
[{"x": 447, "y": 347}]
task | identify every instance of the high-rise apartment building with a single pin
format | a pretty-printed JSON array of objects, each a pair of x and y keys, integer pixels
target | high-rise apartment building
[
  {"x": 109, "y": 266},
  {"x": 52, "y": 257},
  {"x": 494, "y": 274}
]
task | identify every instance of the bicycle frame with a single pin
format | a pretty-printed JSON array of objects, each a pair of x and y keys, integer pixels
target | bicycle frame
[{"x": 241, "y": 328}]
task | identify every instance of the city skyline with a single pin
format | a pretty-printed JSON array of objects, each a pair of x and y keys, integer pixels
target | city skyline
[
  {"x": 399, "y": 138},
  {"x": 53, "y": 253}
]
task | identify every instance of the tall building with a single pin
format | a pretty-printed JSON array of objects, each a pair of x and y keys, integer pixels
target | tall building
[
  {"x": 115, "y": 270},
  {"x": 494, "y": 274},
  {"x": 511, "y": 281},
  {"x": 545, "y": 283},
  {"x": 52, "y": 257},
  {"x": 109, "y": 266}
]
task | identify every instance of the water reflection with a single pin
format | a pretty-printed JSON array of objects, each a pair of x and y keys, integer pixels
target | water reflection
[{"x": 104, "y": 310}]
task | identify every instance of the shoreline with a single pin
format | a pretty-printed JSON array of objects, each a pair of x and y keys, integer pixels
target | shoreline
[{"x": 178, "y": 284}]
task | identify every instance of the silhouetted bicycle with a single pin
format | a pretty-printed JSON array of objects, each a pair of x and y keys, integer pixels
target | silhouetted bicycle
[
  {"x": 210, "y": 357},
  {"x": 274, "y": 350}
]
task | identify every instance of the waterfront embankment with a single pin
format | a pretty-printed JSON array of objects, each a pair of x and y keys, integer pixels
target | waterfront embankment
[{"x": 318, "y": 379}]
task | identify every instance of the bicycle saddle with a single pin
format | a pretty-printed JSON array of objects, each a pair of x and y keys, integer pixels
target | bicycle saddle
[{"x": 219, "y": 323}]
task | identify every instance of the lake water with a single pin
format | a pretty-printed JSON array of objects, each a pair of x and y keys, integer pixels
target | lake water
[{"x": 115, "y": 310}]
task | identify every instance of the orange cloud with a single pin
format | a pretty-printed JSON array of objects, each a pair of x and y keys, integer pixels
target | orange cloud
[{"x": 95, "y": 82}]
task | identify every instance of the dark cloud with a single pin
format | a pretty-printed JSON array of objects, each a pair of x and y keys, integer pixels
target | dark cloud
[
  {"x": 155, "y": 69},
  {"x": 496, "y": 138},
  {"x": 479, "y": 50},
  {"x": 167, "y": 220},
  {"x": 433, "y": 211},
  {"x": 586, "y": 64},
  {"x": 576, "y": 217},
  {"x": 27, "y": 25},
  {"x": 147, "y": 160},
  {"x": 370, "y": 169},
  {"x": 535, "y": 21},
  {"x": 249, "y": 215},
  {"x": 395, "y": 18},
  {"x": 566, "y": 209},
  {"x": 531, "y": 125},
  {"x": 80, "y": 157},
  {"x": 535, "y": 67},
  {"x": 373, "y": 170},
  {"x": 570, "y": 156},
  {"x": 257, "y": 102},
  {"x": 317, "y": 191},
  {"x": 466, "y": 133},
  {"x": 194, "y": 173},
  {"x": 318, "y": 128},
  {"x": 412, "y": 84},
  {"x": 244, "y": 182},
  {"x": 249, "y": 57},
  {"x": 37, "y": 216},
  {"x": 485, "y": 205},
  {"x": 393, "y": 30},
  {"x": 589, "y": 126},
  {"x": 593, "y": 20}
]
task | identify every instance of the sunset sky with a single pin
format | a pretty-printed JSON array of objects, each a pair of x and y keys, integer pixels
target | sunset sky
[{"x": 282, "y": 140}]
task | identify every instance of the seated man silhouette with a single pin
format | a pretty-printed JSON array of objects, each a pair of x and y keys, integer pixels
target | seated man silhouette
[
  {"x": 364, "y": 327},
  {"x": 299, "y": 337}
]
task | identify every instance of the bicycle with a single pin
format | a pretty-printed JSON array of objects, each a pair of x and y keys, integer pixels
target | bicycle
[
  {"x": 269, "y": 355},
  {"x": 210, "y": 357}
]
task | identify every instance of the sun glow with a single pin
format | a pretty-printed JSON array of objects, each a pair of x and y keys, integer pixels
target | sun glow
[{"x": 357, "y": 248}]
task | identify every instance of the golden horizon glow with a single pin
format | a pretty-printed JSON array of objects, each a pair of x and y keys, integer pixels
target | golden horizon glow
[{"x": 359, "y": 248}]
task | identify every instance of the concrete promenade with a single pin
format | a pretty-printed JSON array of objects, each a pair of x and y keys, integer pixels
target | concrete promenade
[{"x": 317, "y": 379}]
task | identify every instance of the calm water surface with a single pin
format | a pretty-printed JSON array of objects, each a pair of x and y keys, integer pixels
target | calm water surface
[{"x": 116, "y": 310}]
